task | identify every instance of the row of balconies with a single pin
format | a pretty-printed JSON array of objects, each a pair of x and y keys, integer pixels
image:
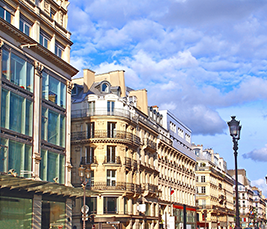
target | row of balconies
[
  {"x": 123, "y": 186},
  {"x": 176, "y": 183},
  {"x": 116, "y": 134},
  {"x": 176, "y": 166}
]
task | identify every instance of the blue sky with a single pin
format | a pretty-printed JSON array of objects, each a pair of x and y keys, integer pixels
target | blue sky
[{"x": 202, "y": 60}]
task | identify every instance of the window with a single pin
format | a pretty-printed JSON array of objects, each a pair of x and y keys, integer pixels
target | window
[
  {"x": 5, "y": 14},
  {"x": 53, "y": 213},
  {"x": 54, "y": 90},
  {"x": 111, "y": 177},
  {"x": 44, "y": 39},
  {"x": 17, "y": 70},
  {"x": 15, "y": 212},
  {"x": 110, "y": 205},
  {"x": 91, "y": 105},
  {"x": 59, "y": 50},
  {"x": 111, "y": 130},
  {"x": 24, "y": 26},
  {"x": 16, "y": 113},
  {"x": 90, "y": 130},
  {"x": 53, "y": 127},
  {"x": 105, "y": 87},
  {"x": 52, "y": 166},
  {"x": 110, "y": 107},
  {"x": 203, "y": 189},
  {"x": 203, "y": 179},
  {"x": 89, "y": 155},
  {"x": 111, "y": 152},
  {"x": 15, "y": 155},
  {"x": 92, "y": 204}
]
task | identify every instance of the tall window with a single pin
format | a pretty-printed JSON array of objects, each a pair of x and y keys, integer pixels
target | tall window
[
  {"x": 111, "y": 177},
  {"x": 89, "y": 155},
  {"x": 17, "y": 70},
  {"x": 90, "y": 130},
  {"x": 111, "y": 128},
  {"x": 52, "y": 166},
  {"x": 111, "y": 152},
  {"x": 44, "y": 39},
  {"x": 16, "y": 113},
  {"x": 16, "y": 156},
  {"x": 203, "y": 189},
  {"x": 53, "y": 127},
  {"x": 203, "y": 179},
  {"x": 110, "y": 205},
  {"x": 54, "y": 90},
  {"x": 91, "y": 105},
  {"x": 5, "y": 14},
  {"x": 24, "y": 26},
  {"x": 110, "y": 107},
  {"x": 59, "y": 50},
  {"x": 92, "y": 204}
]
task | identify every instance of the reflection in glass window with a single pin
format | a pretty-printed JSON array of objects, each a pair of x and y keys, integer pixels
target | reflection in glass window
[
  {"x": 54, "y": 90},
  {"x": 44, "y": 39},
  {"x": 17, "y": 70},
  {"x": 53, "y": 127},
  {"x": 15, "y": 156},
  {"x": 110, "y": 205},
  {"x": 53, "y": 214},
  {"x": 12, "y": 105},
  {"x": 15, "y": 212},
  {"x": 52, "y": 166},
  {"x": 59, "y": 50}
]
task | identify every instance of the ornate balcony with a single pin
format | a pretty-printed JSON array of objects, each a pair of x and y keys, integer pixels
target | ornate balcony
[
  {"x": 117, "y": 186},
  {"x": 101, "y": 134},
  {"x": 150, "y": 145},
  {"x": 116, "y": 160},
  {"x": 86, "y": 161}
]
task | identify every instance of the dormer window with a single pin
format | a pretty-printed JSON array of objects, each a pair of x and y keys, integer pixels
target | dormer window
[{"x": 105, "y": 87}]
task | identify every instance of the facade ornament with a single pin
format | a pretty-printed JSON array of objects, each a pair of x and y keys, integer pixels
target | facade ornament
[
  {"x": 69, "y": 86},
  {"x": 39, "y": 68}
]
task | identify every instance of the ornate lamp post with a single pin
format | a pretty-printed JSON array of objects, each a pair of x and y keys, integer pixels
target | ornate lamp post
[
  {"x": 84, "y": 174},
  {"x": 235, "y": 129}
]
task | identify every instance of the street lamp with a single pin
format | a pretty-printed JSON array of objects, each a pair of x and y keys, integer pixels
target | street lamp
[
  {"x": 84, "y": 174},
  {"x": 235, "y": 129}
]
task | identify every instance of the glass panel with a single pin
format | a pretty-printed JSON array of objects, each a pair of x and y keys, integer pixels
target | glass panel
[
  {"x": 2, "y": 12},
  {"x": 62, "y": 169},
  {"x": 52, "y": 168},
  {"x": 28, "y": 121},
  {"x": 63, "y": 95},
  {"x": 15, "y": 155},
  {"x": 43, "y": 165},
  {"x": 29, "y": 80},
  {"x": 4, "y": 108},
  {"x": 16, "y": 114},
  {"x": 3, "y": 155},
  {"x": 27, "y": 161},
  {"x": 45, "y": 85},
  {"x": 53, "y": 132},
  {"x": 15, "y": 212},
  {"x": 5, "y": 64},
  {"x": 62, "y": 131},
  {"x": 53, "y": 90},
  {"x": 53, "y": 214},
  {"x": 44, "y": 124},
  {"x": 18, "y": 70}
]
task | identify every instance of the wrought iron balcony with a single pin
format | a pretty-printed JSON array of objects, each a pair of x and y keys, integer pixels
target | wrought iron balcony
[
  {"x": 128, "y": 162},
  {"x": 116, "y": 134},
  {"x": 86, "y": 161},
  {"x": 119, "y": 186},
  {"x": 115, "y": 160},
  {"x": 150, "y": 144},
  {"x": 150, "y": 187}
]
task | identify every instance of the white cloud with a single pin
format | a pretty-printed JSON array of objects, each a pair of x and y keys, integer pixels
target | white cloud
[
  {"x": 257, "y": 154},
  {"x": 261, "y": 184}
]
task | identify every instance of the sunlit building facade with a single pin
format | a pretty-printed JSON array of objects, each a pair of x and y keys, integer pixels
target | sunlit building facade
[
  {"x": 35, "y": 98},
  {"x": 214, "y": 186},
  {"x": 113, "y": 136}
]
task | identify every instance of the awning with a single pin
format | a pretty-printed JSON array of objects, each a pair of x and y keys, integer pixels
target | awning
[{"x": 40, "y": 187}]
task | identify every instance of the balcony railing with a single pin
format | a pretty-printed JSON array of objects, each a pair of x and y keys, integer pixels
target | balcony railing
[
  {"x": 150, "y": 187},
  {"x": 128, "y": 162},
  {"x": 103, "y": 112},
  {"x": 124, "y": 186},
  {"x": 116, "y": 134},
  {"x": 116, "y": 160},
  {"x": 149, "y": 143},
  {"x": 86, "y": 161}
]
